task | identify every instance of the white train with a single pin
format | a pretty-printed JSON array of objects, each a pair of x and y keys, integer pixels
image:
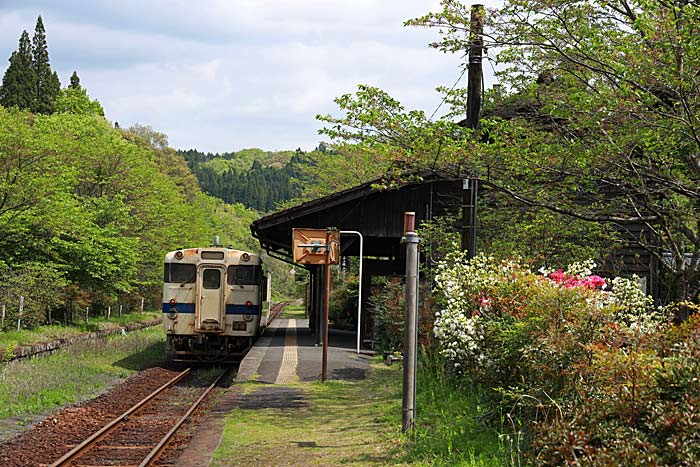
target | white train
[{"x": 216, "y": 301}]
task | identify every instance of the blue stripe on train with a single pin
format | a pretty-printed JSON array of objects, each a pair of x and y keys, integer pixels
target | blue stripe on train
[
  {"x": 230, "y": 309},
  {"x": 181, "y": 307},
  {"x": 242, "y": 309}
]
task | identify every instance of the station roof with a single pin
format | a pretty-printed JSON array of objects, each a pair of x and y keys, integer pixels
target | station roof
[{"x": 374, "y": 212}]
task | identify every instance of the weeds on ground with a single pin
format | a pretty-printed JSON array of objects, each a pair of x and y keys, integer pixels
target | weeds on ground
[
  {"x": 448, "y": 428},
  {"x": 293, "y": 312},
  {"x": 42, "y": 384},
  {"x": 48, "y": 333},
  {"x": 353, "y": 423},
  {"x": 357, "y": 423}
]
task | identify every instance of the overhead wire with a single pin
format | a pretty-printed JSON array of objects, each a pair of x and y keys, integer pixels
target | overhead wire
[{"x": 461, "y": 75}]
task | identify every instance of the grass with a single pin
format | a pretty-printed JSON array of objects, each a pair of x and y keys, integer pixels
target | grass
[
  {"x": 356, "y": 424},
  {"x": 339, "y": 423},
  {"x": 37, "y": 386},
  {"x": 293, "y": 312},
  {"x": 12, "y": 338},
  {"x": 448, "y": 429}
]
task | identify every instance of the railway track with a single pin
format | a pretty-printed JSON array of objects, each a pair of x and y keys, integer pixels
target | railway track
[
  {"x": 276, "y": 308},
  {"x": 139, "y": 436}
]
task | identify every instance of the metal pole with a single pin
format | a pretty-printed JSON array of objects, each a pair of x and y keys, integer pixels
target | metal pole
[
  {"x": 327, "y": 301},
  {"x": 21, "y": 311},
  {"x": 318, "y": 304},
  {"x": 408, "y": 407},
  {"x": 470, "y": 187},
  {"x": 359, "y": 288}
]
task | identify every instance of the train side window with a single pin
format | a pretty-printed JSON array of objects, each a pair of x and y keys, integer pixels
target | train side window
[
  {"x": 211, "y": 279},
  {"x": 180, "y": 273},
  {"x": 243, "y": 275}
]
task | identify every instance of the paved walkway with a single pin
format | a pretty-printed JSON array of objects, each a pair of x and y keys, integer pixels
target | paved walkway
[{"x": 286, "y": 353}]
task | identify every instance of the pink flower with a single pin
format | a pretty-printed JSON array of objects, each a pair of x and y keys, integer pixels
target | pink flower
[
  {"x": 594, "y": 282},
  {"x": 483, "y": 300},
  {"x": 558, "y": 276}
]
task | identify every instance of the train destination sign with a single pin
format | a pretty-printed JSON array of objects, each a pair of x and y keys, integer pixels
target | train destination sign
[{"x": 310, "y": 246}]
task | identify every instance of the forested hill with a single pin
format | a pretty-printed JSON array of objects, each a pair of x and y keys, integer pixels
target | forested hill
[{"x": 255, "y": 178}]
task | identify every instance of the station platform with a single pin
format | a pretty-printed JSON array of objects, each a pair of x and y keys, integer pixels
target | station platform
[{"x": 286, "y": 353}]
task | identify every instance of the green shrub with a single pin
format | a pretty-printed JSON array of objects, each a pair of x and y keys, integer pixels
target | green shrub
[
  {"x": 636, "y": 406},
  {"x": 343, "y": 303},
  {"x": 581, "y": 375},
  {"x": 387, "y": 311},
  {"x": 387, "y": 308},
  {"x": 42, "y": 289}
]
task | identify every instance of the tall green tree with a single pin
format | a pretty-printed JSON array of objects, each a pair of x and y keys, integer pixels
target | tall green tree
[
  {"x": 74, "y": 81},
  {"x": 77, "y": 101},
  {"x": 19, "y": 81},
  {"x": 611, "y": 128},
  {"x": 47, "y": 82},
  {"x": 621, "y": 98}
]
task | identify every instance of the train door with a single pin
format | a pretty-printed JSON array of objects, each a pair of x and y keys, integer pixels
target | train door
[{"x": 211, "y": 299}]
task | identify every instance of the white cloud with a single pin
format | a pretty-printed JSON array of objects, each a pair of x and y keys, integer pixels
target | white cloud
[{"x": 220, "y": 75}]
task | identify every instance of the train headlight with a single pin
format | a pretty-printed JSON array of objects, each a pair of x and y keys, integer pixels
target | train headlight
[
  {"x": 248, "y": 317},
  {"x": 172, "y": 315},
  {"x": 245, "y": 257},
  {"x": 179, "y": 255}
]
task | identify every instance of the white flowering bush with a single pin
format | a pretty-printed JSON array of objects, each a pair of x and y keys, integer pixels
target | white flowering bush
[
  {"x": 503, "y": 325},
  {"x": 631, "y": 307},
  {"x": 464, "y": 287}
]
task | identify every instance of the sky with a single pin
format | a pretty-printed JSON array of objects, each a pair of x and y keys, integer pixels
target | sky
[{"x": 223, "y": 75}]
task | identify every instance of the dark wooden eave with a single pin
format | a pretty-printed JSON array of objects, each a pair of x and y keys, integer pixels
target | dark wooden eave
[{"x": 376, "y": 213}]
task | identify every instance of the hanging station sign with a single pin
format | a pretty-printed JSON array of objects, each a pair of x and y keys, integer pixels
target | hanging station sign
[{"x": 310, "y": 246}]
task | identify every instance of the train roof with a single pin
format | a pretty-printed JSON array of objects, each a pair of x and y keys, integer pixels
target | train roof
[{"x": 215, "y": 254}]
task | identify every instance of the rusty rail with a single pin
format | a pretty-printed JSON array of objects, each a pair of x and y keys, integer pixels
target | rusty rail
[
  {"x": 158, "y": 449},
  {"x": 275, "y": 310},
  {"x": 104, "y": 431}
]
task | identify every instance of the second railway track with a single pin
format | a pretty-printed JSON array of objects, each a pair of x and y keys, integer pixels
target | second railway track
[{"x": 139, "y": 436}]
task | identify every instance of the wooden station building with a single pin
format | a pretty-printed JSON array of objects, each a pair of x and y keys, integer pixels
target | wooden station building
[{"x": 378, "y": 215}]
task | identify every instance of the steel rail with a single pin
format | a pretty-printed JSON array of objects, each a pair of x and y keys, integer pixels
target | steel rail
[
  {"x": 156, "y": 451},
  {"x": 280, "y": 306},
  {"x": 95, "y": 437}
]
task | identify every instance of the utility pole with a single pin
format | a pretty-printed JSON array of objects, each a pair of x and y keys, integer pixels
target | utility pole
[
  {"x": 326, "y": 307},
  {"x": 320, "y": 247},
  {"x": 474, "y": 75},
  {"x": 470, "y": 186},
  {"x": 410, "y": 335}
]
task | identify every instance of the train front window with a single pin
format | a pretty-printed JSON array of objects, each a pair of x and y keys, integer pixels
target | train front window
[
  {"x": 180, "y": 273},
  {"x": 211, "y": 279},
  {"x": 244, "y": 275}
]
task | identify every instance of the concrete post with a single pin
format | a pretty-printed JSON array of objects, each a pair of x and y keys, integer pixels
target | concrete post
[{"x": 410, "y": 340}]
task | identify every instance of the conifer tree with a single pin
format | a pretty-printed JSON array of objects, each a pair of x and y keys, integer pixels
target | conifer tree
[
  {"x": 19, "y": 81},
  {"x": 47, "y": 82},
  {"x": 74, "y": 81}
]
